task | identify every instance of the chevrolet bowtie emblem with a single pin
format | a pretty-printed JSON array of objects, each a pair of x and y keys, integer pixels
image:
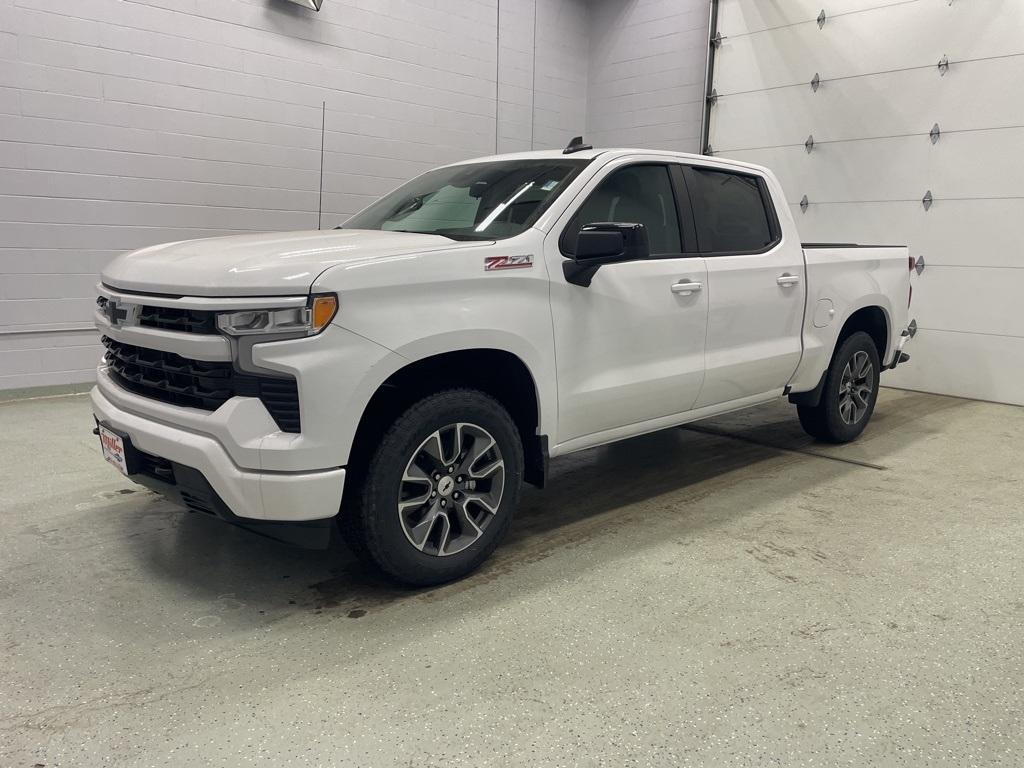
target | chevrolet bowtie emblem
[{"x": 114, "y": 313}]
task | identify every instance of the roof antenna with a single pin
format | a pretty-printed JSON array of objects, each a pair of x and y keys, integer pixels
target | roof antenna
[{"x": 576, "y": 145}]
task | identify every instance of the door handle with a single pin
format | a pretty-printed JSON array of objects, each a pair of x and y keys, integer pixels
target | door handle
[
  {"x": 686, "y": 287},
  {"x": 788, "y": 279}
]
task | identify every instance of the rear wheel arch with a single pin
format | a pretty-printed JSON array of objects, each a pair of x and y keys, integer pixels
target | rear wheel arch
[{"x": 872, "y": 320}]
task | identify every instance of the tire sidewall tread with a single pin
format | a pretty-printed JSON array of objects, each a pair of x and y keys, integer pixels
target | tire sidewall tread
[
  {"x": 824, "y": 421},
  {"x": 375, "y": 525}
]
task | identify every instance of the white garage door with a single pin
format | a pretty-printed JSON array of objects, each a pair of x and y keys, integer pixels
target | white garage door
[{"x": 873, "y": 160}]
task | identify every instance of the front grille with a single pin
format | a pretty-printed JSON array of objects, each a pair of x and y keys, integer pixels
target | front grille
[
  {"x": 173, "y": 379},
  {"x": 181, "y": 320}
]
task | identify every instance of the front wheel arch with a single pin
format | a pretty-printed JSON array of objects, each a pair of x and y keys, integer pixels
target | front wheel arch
[{"x": 498, "y": 373}]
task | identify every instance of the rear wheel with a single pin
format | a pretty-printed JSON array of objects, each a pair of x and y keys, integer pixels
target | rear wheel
[
  {"x": 439, "y": 493},
  {"x": 849, "y": 394}
]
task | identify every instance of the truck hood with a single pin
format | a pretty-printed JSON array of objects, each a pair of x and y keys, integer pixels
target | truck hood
[{"x": 275, "y": 264}]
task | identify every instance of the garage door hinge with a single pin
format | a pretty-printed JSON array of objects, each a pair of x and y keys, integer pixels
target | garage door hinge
[
  {"x": 926, "y": 201},
  {"x": 717, "y": 40},
  {"x": 919, "y": 265},
  {"x": 713, "y": 98},
  {"x": 943, "y": 65},
  {"x": 934, "y": 133},
  {"x": 809, "y": 144},
  {"x": 815, "y": 82},
  {"x": 821, "y": 19},
  {"x": 804, "y": 202}
]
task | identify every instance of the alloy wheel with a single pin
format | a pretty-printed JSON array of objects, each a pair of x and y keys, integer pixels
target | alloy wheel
[
  {"x": 451, "y": 489},
  {"x": 855, "y": 388}
]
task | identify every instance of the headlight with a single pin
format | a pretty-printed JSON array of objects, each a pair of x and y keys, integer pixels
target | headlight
[{"x": 308, "y": 320}]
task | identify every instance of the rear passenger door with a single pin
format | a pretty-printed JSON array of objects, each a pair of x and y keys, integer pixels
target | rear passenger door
[{"x": 755, "y": 285}]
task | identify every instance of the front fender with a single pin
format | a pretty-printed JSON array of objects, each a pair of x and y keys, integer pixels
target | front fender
[
  {"x": 414, "y": 350},
  {"x": 422, "y": 305}
]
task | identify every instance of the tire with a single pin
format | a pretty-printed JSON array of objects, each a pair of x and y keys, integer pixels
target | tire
[
  {"x": 449, "y": 460},
  {"x": 849, "y": 395}
]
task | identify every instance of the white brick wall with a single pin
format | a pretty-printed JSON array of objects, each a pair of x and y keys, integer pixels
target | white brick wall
[
  {"x": 542, "y": 67},
  {"x": 515, "y": 75},
  {"x": 125, "y": 123},
  {"x": 647, "y": 68},
  {"x": 560, "y": 82}
]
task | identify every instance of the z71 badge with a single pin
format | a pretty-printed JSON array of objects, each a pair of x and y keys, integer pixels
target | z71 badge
[{"x": 524, "y": 261}]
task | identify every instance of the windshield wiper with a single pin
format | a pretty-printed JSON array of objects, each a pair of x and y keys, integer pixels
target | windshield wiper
[
  {"x": 457, "y": 236},
  {"x": 415, "y": 232},
  {"x": 461, "y": 236},
  {"x": 413, "y": 204}
]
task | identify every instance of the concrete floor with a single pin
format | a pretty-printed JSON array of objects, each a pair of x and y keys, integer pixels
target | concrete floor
[{"x": 688, "y": 598}]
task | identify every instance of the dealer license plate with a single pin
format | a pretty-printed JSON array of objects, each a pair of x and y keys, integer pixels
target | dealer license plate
[{"x": 113, "y": 449}]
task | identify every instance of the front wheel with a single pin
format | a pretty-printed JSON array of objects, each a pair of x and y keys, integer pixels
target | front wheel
[
  {"x": 439, "y": 493},
  {"x": 849, "y": 395}
]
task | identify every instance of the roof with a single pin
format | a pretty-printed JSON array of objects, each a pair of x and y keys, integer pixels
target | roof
[
  {"x": 555, "y": 154},
  {"x": 610, "y": 152}
]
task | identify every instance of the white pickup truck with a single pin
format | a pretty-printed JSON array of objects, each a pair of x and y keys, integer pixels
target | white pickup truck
[{"x": 401, "y": 377}]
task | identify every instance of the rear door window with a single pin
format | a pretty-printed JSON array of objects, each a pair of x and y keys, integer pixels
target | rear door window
[{"x": 731, "y": 211}]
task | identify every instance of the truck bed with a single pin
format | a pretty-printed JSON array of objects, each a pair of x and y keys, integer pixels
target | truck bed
[{"x": 841, "y": 279}]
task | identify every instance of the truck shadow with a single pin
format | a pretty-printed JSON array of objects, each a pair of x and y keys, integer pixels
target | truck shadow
[{"x": 594, "y": 493}]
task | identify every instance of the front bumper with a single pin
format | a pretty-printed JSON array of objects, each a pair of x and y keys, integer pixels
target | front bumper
[{"x": 249, "y": 495}]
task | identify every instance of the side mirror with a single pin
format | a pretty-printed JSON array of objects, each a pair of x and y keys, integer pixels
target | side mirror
[{"x": 605, "y": 243}]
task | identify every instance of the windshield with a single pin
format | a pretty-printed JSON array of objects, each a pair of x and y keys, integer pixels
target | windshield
[{"x": 476, "y": 201}]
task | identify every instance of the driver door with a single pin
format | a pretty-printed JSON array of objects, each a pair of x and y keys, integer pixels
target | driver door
[{"x": 629, "y": 348}]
